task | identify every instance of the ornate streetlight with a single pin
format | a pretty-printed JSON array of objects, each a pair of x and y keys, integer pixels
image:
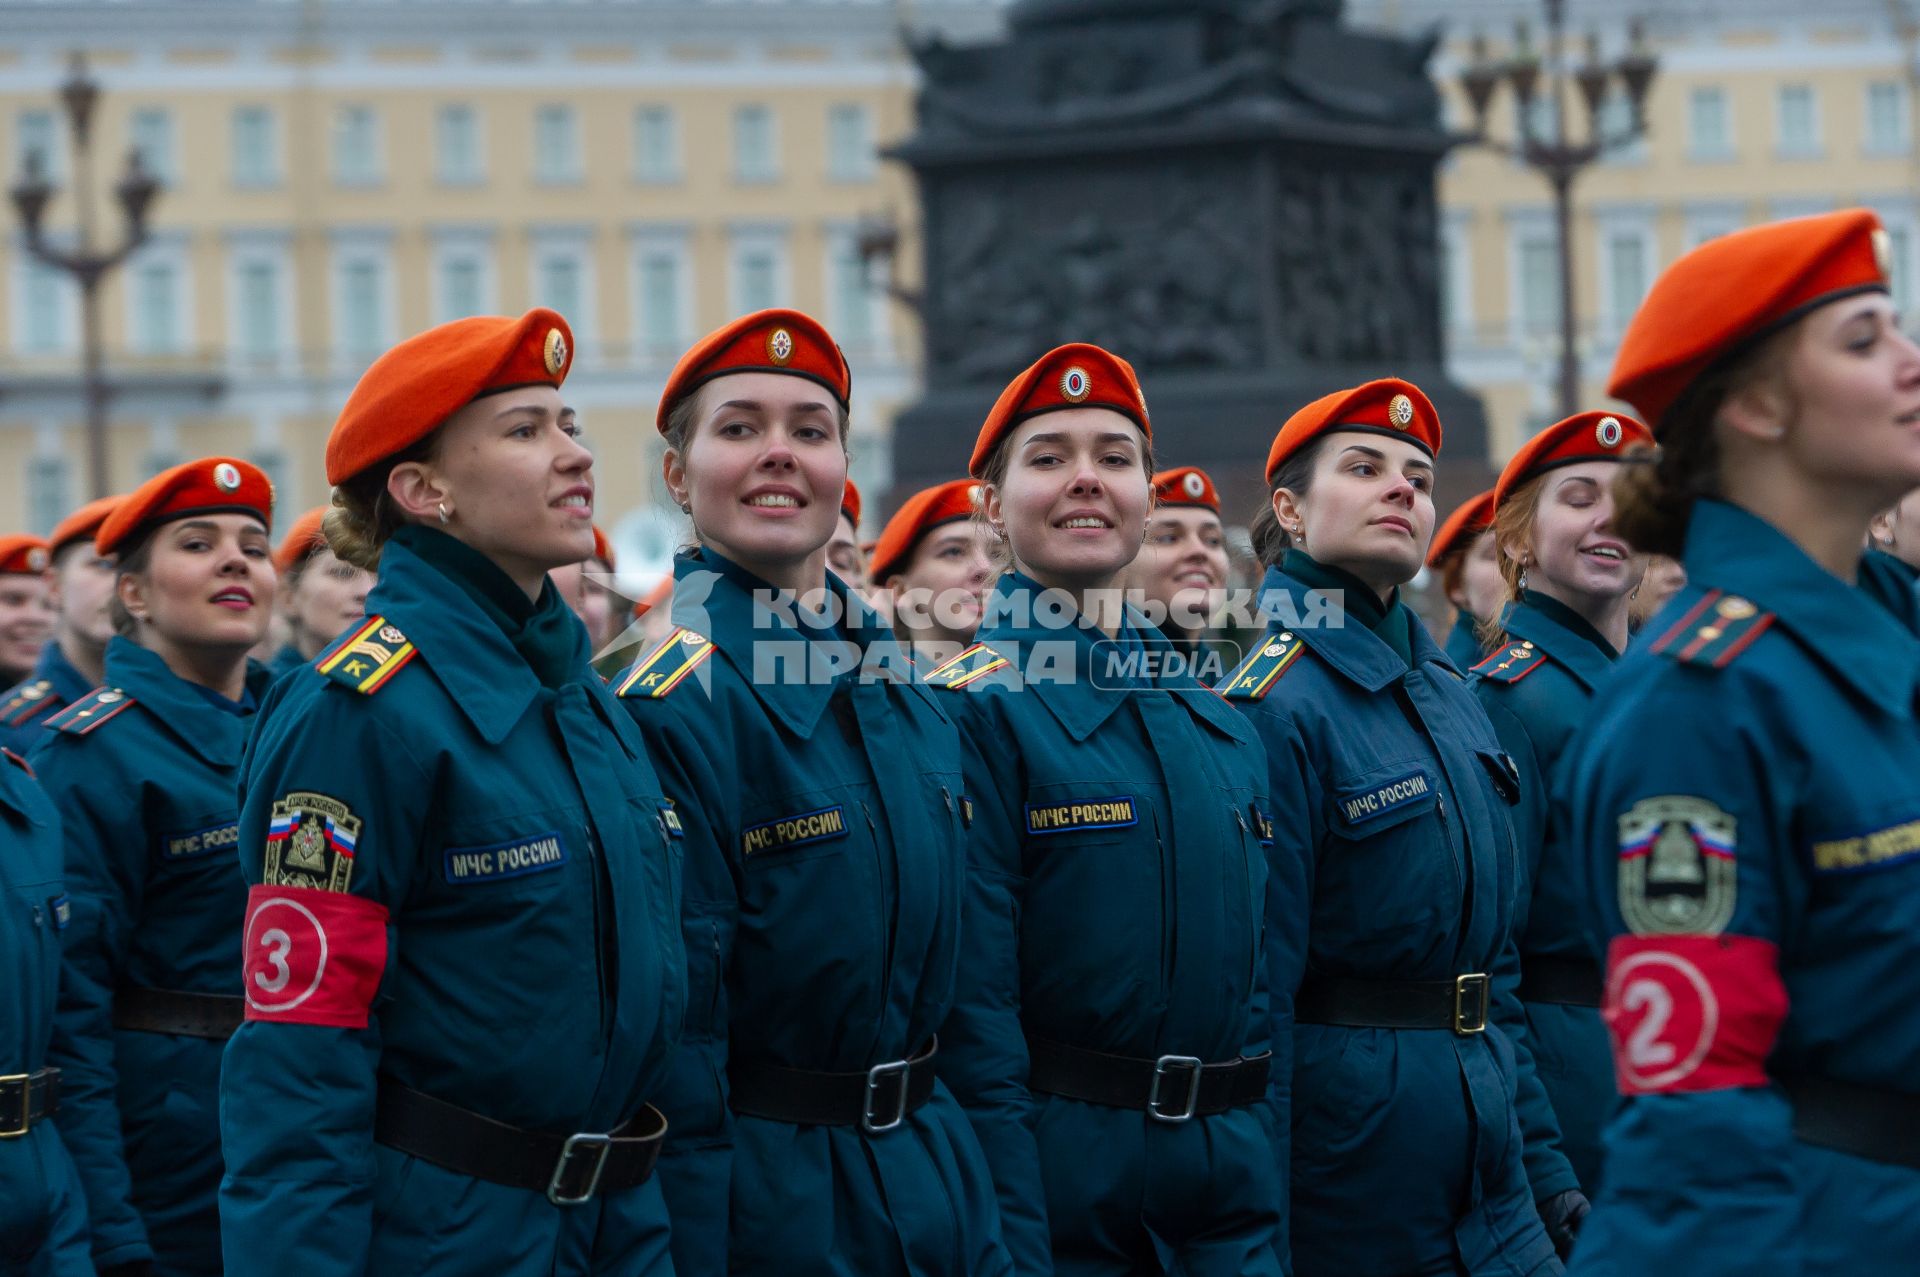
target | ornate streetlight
[
  {"x": 88, "y": 266},
  {"x": 1558, "y": 158}
]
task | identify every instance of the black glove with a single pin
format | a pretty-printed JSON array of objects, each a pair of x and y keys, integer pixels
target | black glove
[{"x": 1563, "y": 1213}]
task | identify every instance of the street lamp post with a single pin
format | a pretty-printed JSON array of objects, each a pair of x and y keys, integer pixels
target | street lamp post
[
  {"x": 88, "y": 266},
  {"x": 1557, "y": 158}
]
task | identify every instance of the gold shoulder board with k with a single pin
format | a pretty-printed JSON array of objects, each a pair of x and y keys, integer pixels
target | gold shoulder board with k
[
  {"x": 1714, "y": 630},
  {"x": 967, "y": 668},
  {"x": 24, "y": 704},
  {"x": 1260, "y": 671},
  {"x": 667, "y": 666},
  {"x": 369, "y": 656},
  {"x": 1511, "y": 663},
  {"x": 91, "y": 710}
]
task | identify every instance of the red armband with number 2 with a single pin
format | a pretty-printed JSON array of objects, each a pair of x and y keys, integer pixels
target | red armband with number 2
[
  {"x": 313, "y": 956},
  {"x": 1692, "y": 1013}
]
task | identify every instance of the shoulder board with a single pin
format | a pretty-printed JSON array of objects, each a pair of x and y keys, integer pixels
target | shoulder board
[
  {"x": 1261, "y": 670},
  {"x": 18, "y": 761},
  {"x": 1511, "y": 663},
  {"x": 967, "y": 668},
  {"x": 666, "y": 666},
  {"x": 28, "y": 702},
  {"x": 368, "y": 657},
  {"x": 91, "y": 710},
  {"x": 1714, "y": 630}
]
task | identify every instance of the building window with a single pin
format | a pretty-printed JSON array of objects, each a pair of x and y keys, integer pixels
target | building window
[
  {"x": 255, "y": 162},
  {"x": 257, "y": 335},
  {"x": 1887, "y": 117},
  {"x": 462, "y": 285},
  {"x": 661, "y": 324},
  {"x": 556, "y": 145},
  {"x": 852, "y": 303},
  {"x": 1626, "y": 277},
  {"x": 151, "y": 133},
  {"x": 656, "y": 144},
  {"x": 156, "y": 307},
  {"x": 559, "y": 283},
  {"x": 456, "y": 145},
  {"x": 756, "y": 279},
  {"x": 754, "y": 158},
  {"x": 1709, "y": 128},
  {"x": 273, "y": 463},
  {"x": 37, "y": 133},
  {"x": 1456, "y": 276},
  {"x": 1799, "y": 121},
  {"x": 1538, "y": 260},
  {"x": 356, "y": 146},
  {"x": 1900, "y": 283},
  {"x": 1616, "y": 128},
  {"x": 48, "y": 481},
  {"x": 362, "y": 328},
  {"x": 849, "y": 142},
  {"x": 43, "y": 318}
]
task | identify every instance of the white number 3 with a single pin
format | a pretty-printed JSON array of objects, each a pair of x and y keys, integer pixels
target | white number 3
[
  {"x": 280, "y": 944},
  {"x": 1645, "y": 1050}
]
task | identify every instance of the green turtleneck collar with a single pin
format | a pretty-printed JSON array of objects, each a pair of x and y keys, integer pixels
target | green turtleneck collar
[
  {"x": 543, "y": 631},
  {"x": 1390, "y": 622}
]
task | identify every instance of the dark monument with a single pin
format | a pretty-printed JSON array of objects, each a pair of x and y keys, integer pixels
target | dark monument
[{"x": 1235, "y": 195}]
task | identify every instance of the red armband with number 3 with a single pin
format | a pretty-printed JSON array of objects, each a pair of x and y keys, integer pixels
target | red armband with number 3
[
  {"x": 312, "y": 956},
  {"x": 1692, "y": 1013}
]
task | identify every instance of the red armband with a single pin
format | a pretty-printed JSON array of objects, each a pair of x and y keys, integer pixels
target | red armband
[
  {"x": 313, "y": 956},
  {"x": 1692, "y": 1013}
]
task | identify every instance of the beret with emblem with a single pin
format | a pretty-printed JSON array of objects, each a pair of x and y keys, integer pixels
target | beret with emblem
[
  {"x": 1474, "y": 516},
  {"x": 1585, "y": 436},
  {"x": 1734, "y": 290},
  {"x": 22, "y": 555},
  {"x": 427, "y": 378},
  {"x": 1186, "y": 485},
  {"x": 1077, "y": 375},
  {"x": 83, "y": 523},
  {"x": 211, "y": 485},
  {"x": 1389, "y": 406},
  {"x": 850, "y": 505},
  {"x": 922, "y": 512},
  {"x": 302, "y": 539},
  {"x": 782, "y": 341}
]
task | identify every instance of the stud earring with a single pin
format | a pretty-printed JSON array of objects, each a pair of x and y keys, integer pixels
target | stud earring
[{"x": 444, "y": 516}]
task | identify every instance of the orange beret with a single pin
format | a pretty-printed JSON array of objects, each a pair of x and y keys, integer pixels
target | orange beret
[
  {"x": 1187, "y": 485},
  {"x": 23, "y": 555},
  {"x": 1732, "y": 291},
  {"x": 850, "y": 505},
  {"x": 418, "y": 384},
  {"x": 922, "y": 512},
  {"x": 82, "y": 524},
  {"x": 302, "y": 539},
  {"x": 1585, "y": 436},
  {"x": 211, "y": 485},
  {"x": 1472, "y": 518},
  {"x": 659, "y": 594},
  {"x": 602, "y": 547},
  {"x": 1076, "y": 375},
  {"x": 785, "y": 341},
  {"x": 1389, "y": 406}
]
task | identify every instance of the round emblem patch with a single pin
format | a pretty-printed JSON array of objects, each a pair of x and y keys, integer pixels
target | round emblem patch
[
  {"x": 780, "y": 346},
  {"x": 1075, "y": 384},
  {"x": 1664, "y": 1015},
  {"x": 111, "y": 695},
  {"x": 1735, "y": 609},
  {"x": 695, "y": 640},
  {"x": 1608, "y": 432},
  {"x": 37, "y": 559},
  {"x": 1400, "y": 412},
  {"x": 555, "y": 352},
  {"x": 1883, "y": 252},
  {"x": 388, "y": 634},
  {"x": 226, "y": 477},
  {"x": 1194, "y": 485},
  {"x": 1273, "y": 649},
  {"x": 287, "y": 947},
  {"x": 34, "y": 691}
]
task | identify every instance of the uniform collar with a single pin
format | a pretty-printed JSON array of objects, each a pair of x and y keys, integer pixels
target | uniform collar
[
  {"x": 1867, "y": 635},
  {"x": 209, "y": 731},
  {"x": 69, "y": 684},
  {"x": 1562, "y": 634},
  {"x": 1351, "y": 648}
]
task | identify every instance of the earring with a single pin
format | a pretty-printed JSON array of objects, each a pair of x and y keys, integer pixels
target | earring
[
  {"x": 686, "y": 507},
  {"x": 1523, "y": 578},
  {"x": 1000, "y": 531},
  {"x": 443, "y": 514}
]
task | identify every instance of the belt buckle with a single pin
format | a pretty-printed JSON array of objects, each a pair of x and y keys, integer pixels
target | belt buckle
[
  {"x": 601, "y": 1146},
  {"x": 1470, "y": 996},
  {"x": 876, "y": 1078},
  {"x": 15, "y": 1131},
  {"x": 1194, "y": 1065}
]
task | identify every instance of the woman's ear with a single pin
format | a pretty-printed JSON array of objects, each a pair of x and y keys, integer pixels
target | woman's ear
[
  {"x": 132, "y": 592},
  {"x": 418, "y": 491},
  {"x": 673, "y": 472},
  {"x": 1761, "y": 410},
  {"x": 1288, "y": 510},
  {"x": 990, "y": 507}
]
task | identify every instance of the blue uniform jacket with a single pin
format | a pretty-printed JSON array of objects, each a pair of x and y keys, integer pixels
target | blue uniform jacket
[
  {"x": 533, "y": 972},
  {"x": 818, "y": 787},
  {"x": 1394, "y": 798},
  {"x": 26, "y": 706},
  {"x": 1538, "y": 690},
  {"x": 1116, "y": 887},
  {"x": 1747, "y": 803},
  {"x": 287, "y": 658},
  {"x": 145, "y": 773},
  {"x": 1463, "y": 645},
  {"x": 43, "y": 1214}
]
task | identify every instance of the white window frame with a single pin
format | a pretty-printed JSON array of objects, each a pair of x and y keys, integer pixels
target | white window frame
[
  {"x": 866, "y": 165},
  {"x": 476, "y": 119},
  {"x": 66, "y": 321},
  {"x": 1457, "y": 315},
  {"x": 1902, "y": 142},
  {"x": 476, "y": 243},
  {"x": 740, "y": 172},
  {"x": 274, "y": 251},
  {"x": 745, "y": 239},
  {"x": 1614, "y": 315},
  {"x": 275, "y": 173},
  {"x": 840, "y": 241},
  {"x": 1524, "y": 228},
  {"x": 1699, "y": 150},
  {"x": 645, "y": 242},
  {"x": 675, "y": 169},
  {"x": 567, "y": 169},
  {"x": 376, "y": 161},
  {"x": 55, "y": 168},
  {"x": 171, "y": 251},
  {"x": 1813, "y": 146},
  {"x": 574, "y": 242},
  {"x": 350, "y": 247},
  {"x": 166, "y": 167}
]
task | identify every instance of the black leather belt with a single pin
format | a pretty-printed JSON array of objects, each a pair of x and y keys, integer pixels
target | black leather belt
[
  {"x": 1865, "y": 1121},
  {"x": 26, "y": 1098},
  {"x": 1172, "y": 1088},
  {"x": 1459, "y": 1004},
  {"x": 189, "y": 1015},
  {"x": 876, "y": 1100},
  {"x": 569, "y": 1169},
  {"x": 1567, "y": 982}
]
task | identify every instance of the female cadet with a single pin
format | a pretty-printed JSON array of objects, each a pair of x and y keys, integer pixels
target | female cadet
[
  {"x": 843, "y": 552},
  {"x": 1180, "y": 577},
  {"x": 462, "y": 955},
  {"x": 1110, "y": 1036},
  {"x": 932, "y": 562},
  {"x": 80, "y": 588},
  {"x": 1569, "y": 580},
  {"x": 145, "y": 773},
  {"x": 817, "y": 787},
  {"x": 1393, "y": 798},
  {"x": 26, "y": 617},
  {"x": 321, "y": 593},
  {"x": 1745, "y": 794},
  {"x": 1468, "y": 561}
]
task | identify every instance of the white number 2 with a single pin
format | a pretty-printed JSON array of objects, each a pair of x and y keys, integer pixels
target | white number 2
[
  {"x": 280, "y": 944},
  {"x": 1645, "y": 1050}
]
